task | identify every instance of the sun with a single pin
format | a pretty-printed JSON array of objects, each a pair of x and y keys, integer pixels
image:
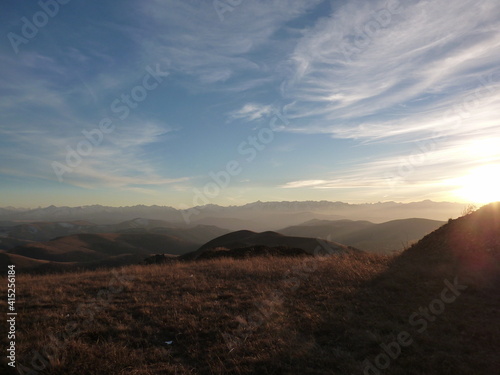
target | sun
[{"x": 481, "y": 185}]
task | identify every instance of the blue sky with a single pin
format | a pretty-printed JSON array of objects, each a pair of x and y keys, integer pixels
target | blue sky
[{"x": 194, "y": 102}]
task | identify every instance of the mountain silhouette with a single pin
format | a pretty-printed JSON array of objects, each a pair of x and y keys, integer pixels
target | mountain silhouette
[{"x": 246, "y": 238}]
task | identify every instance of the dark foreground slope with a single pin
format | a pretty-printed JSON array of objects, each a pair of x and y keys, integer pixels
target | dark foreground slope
[
  {"x": 441, "y": 297},
  {"x": 433, "y": 310},
  {"x": 471, "y": 244}
]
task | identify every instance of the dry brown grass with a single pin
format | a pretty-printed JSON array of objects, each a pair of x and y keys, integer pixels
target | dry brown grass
[{"x": 250, "y": 316}]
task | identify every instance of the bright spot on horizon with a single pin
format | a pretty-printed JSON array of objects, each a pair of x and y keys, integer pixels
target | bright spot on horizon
[{"x": 481, "y": 185}]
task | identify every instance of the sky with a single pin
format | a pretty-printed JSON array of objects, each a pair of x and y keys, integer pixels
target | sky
[{"x": 185, "y": 103}]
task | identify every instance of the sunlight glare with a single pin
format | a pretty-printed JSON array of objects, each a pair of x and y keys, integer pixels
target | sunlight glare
[{"x": 481, "y": 185}]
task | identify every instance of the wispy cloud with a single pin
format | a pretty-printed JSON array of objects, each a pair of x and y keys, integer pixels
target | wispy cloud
[
  {"x": 433, "y": 49},
  {"x": 458, "y": 114},
  {"x": 427, "y": 73},
  {"x": 46, "y": 104},
  {"x": 119, "y": 161},
  {"x": 251, "y": 112},
  {"x": 305, "y": 183},
  {"x": 192, "y": 40}
]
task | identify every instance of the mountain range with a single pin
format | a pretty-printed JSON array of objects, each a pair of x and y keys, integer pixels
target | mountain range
[
  {"x": 256, "y": 216},
  {"x": 61, "y": 245},
  {"x": 60, "y": 237}
]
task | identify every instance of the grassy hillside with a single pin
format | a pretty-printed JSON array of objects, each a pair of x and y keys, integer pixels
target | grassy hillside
[
  {"x": 250, "y": 251},
  {"x": 246, "y": 238},
  {"x": 391, "y": 236},
  {"x": 84, "y": 250},
  {"x": 7, "y": 243},
  {"x": 199, "y": 234},
  {"x": 44, "y": 231},
  {"x": 325, "y": 228},
  {"x": 432, "y": 310},
  {"x": 24, "y": 263}
]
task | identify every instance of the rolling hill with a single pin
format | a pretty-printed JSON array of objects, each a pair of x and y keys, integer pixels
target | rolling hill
[
  {"x": 82, "y": 250},
  {"x": 386, "y": 237},
  {"x": 7, "y": 243},
  {"x": 325, "y": 228},
  {"x": 45, "y": 230},
  {"x": 251, "y": 251},
  {"x": 21, "y": 233},
  {"x": 246, "y": 238},
  {"x": 198, "y": 234},
  {"x": 21, "y": 262}
]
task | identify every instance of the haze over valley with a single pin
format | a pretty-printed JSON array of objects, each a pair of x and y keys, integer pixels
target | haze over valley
[{"x": 86, "y": 236}]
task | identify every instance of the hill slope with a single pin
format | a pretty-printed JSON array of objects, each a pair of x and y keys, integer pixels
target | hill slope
[
  {"x": 45, "y": 231},
  {"x": 379, "y": 238},
  {"x": 470, "y": 243},
  {"x": 246, "y": 238},
  {"x": 81, "y": 249}
]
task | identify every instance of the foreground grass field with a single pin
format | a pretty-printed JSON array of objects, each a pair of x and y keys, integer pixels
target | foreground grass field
[{"x": 257, "y": 316}]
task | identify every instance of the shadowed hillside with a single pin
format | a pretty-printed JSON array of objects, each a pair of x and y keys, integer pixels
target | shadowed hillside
[
  {"x": 386, "y": 237},
  {"x": 82, "y": 250},
  {"x": 250, "y": 251},
  {"x": 125, "y": 243},
  {"x": 470, "y": 243},
  {"x": 199, "y": 234},
  {"x": 443, "y": 293},
  {"x": 325, "y": 228},
  {"x": 45, "y": 231},
  {"x": 7, "y": 243},
  {"x": 246, "y": 238}
]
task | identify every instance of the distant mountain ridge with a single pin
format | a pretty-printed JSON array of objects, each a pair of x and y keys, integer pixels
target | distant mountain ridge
[
  {"x": 12, "y": 234},
  {"x": 253, "y": 216}
]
